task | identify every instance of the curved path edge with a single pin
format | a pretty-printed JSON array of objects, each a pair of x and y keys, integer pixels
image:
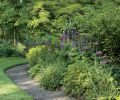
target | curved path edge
[{"x": 18, "y": 74}]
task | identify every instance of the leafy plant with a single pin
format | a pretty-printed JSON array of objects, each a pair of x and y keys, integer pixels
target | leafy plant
[
  {"x": 35, "y": 54},
  {"x": 52, "y": 75},
  {"x": 7, "y": 49},
  {"x": 86, "y": 79}
]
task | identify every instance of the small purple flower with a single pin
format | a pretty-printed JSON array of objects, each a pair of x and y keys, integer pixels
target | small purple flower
[{"x": 99, "y": 53}]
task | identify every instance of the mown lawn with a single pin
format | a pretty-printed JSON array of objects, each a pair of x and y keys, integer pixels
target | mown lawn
[{"x": 8, "y": 90}]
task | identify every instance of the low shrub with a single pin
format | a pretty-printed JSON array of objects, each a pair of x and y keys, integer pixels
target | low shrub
[
  {"x": 51, "y": 77},
  {"x": 20, "y": 48},
  {"x": 40, "y": 54},
  {"x": 88, "y": 80},
  {"x": 34, "y": 70},
  {"x": 35, "y": 54}
]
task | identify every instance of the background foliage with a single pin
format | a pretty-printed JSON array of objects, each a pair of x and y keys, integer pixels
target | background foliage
[{"x": 30, "y": 22}]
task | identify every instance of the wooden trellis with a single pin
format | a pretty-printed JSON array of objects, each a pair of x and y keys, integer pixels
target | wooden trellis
[
  {"x": 80, "y": 40},
  {"x": 84, "y": 42}
]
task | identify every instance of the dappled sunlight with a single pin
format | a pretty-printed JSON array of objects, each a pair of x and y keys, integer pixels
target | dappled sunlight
[
  {"x": 8, "y": 88},
  {"x": 28, "y": 82}
]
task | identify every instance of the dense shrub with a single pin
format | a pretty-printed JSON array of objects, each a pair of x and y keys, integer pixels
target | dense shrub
[
  {"x": 7, "y": 49},
  {"x": 35, "y": 54},
  {"x": 116, "y": 73},
  {"x": 42, "y": 53},
  {"x": 109, "y": 36},
  {"x": 104, "y": 25},
  {"x": 33, "y": 71},
  {"x": 89, "y": 80},
  {"x": 51, "y": 77}
]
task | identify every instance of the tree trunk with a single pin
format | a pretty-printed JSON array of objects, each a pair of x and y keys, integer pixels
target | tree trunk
[{"x": 14, "y": 38}]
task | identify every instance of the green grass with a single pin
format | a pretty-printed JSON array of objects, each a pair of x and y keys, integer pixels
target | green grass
[{"x": 8, "y": 90}]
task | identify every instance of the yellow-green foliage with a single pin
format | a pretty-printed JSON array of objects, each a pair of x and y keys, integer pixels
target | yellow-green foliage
[
  {"x": 85, "y": 79},
  {"x": 109, "y": 98},
  {"x": 34, "y": 54},
  {"x": 20, "y": 47},
  {"x": 42, "y": 15},
  {"x": 69, "y": 10},
  {"x": 52, "y": 75}
]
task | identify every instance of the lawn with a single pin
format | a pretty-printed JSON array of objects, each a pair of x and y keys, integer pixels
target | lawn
[{"x": 8, "y": 90}]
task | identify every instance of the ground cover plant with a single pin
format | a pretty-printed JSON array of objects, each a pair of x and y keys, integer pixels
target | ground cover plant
[{"x": 8, "y": 90}]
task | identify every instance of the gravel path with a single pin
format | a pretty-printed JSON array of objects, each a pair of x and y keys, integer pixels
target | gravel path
[{"x": 20, "y": 77}]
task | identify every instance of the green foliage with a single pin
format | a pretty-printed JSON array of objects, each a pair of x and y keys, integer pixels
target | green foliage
[
  {"x": 108, "y": 98},
  {"x": 13, "y": 18},
  {"x": 85, "y": 79},
  {"x": 20, "y": 48},
  {"x": 46, "y": 66},
  {"x": 115, "y": 73},
  {"x": 35, "y": 54},
  {"x": 39, "y": 15},
  {"x": 69, "y": 10},
  {"x": 7, "y": 49},
  {"x": 29, "y": 20},
  {"x": 108, "y": 27},
  {"x": 35, "y": 70},
  {"x": 51, "y": 77}
]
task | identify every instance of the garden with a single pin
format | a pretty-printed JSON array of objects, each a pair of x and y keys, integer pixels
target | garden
[{"x": 70, "y": 45}]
